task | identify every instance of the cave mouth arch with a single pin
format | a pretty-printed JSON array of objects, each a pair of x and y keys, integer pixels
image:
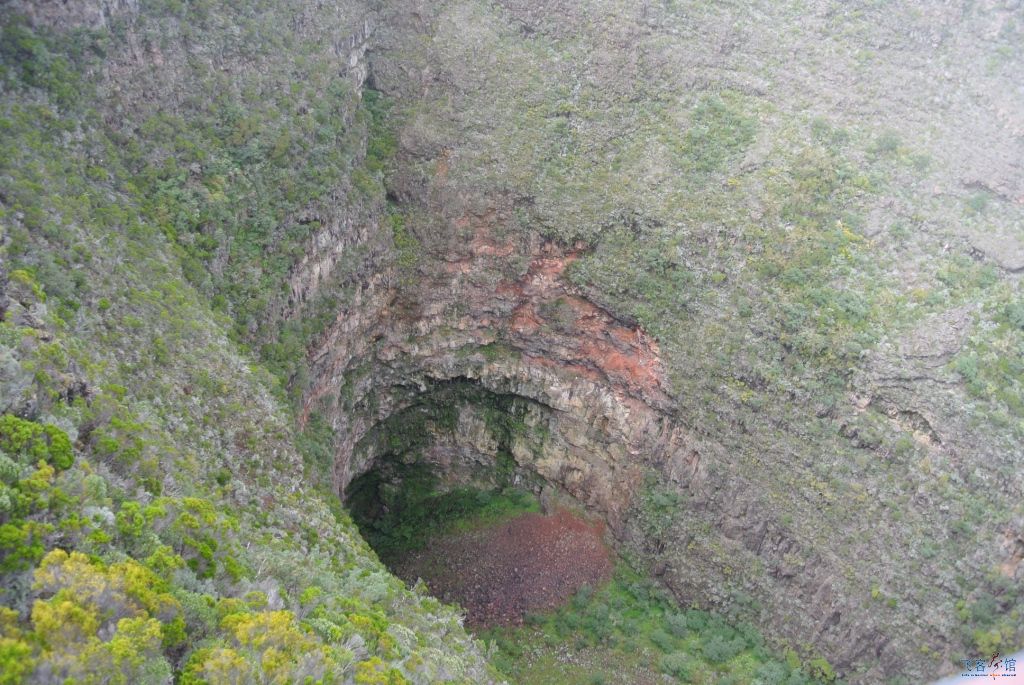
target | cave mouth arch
[
  {"x": 448, "y": 493},
  {"x": 452, "y": 447}
]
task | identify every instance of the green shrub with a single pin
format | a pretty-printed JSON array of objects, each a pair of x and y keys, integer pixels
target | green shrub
[
  {"x": 677, "y": 624},
  {"x": 679, "y": 665},
  {"x": 1014, "y": 314},
  {"x": 886, "y": 144},
  {"x": 772, "y": 674},
  {"x": 696, "y": 620},
  {"x": 662, "y": 640},
  {"x": 820, "y": 669},
  {"x": 719, "y": 649},
  {"x": 31, "y": 442}
]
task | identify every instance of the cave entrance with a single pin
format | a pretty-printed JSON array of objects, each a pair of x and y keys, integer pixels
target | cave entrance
[
  {"x": 448, "y": 490},
  {"x": 444, "y": 499}
]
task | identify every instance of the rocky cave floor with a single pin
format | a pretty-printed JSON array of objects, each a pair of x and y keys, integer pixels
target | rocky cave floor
[{"x": 501, "y": 573}]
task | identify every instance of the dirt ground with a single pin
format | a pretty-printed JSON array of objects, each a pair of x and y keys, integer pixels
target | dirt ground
[{"x": 501, "y": 573}]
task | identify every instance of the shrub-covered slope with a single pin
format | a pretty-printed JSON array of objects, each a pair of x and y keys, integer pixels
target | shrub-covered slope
[{"x": 159, "y": 515}]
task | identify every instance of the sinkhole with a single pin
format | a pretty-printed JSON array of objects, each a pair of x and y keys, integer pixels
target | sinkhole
[
  {"x": 448, "y": 495},
  {"x": 480, "y": 495}
]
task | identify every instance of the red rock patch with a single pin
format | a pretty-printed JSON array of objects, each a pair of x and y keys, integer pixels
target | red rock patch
[{"x": 501, "y": 573}]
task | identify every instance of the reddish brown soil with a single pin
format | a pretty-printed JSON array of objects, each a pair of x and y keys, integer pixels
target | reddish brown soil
[{"x": 501, "y": 573}]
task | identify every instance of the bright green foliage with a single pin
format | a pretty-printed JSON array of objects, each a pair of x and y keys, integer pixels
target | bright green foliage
[
  {"x": 31, "y": 442},
  {"x": 15, "y": 651},
  {"x": 283, "y": 650},
  {"x": 30, "y": 453},
  {"x": 375, "y": 672},
  {"x": 21, "y": 543},
  {"x": 24, "y": 278},
  {"x": 133, "y": 519},
  {"x": 80, "y": 600},
  {"x": 201, "y": 534}
]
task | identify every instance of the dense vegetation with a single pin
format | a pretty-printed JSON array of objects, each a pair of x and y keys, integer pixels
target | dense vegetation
[
  {"x": 145, "y": 590},
  {"x": 152, "y": 523}
]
